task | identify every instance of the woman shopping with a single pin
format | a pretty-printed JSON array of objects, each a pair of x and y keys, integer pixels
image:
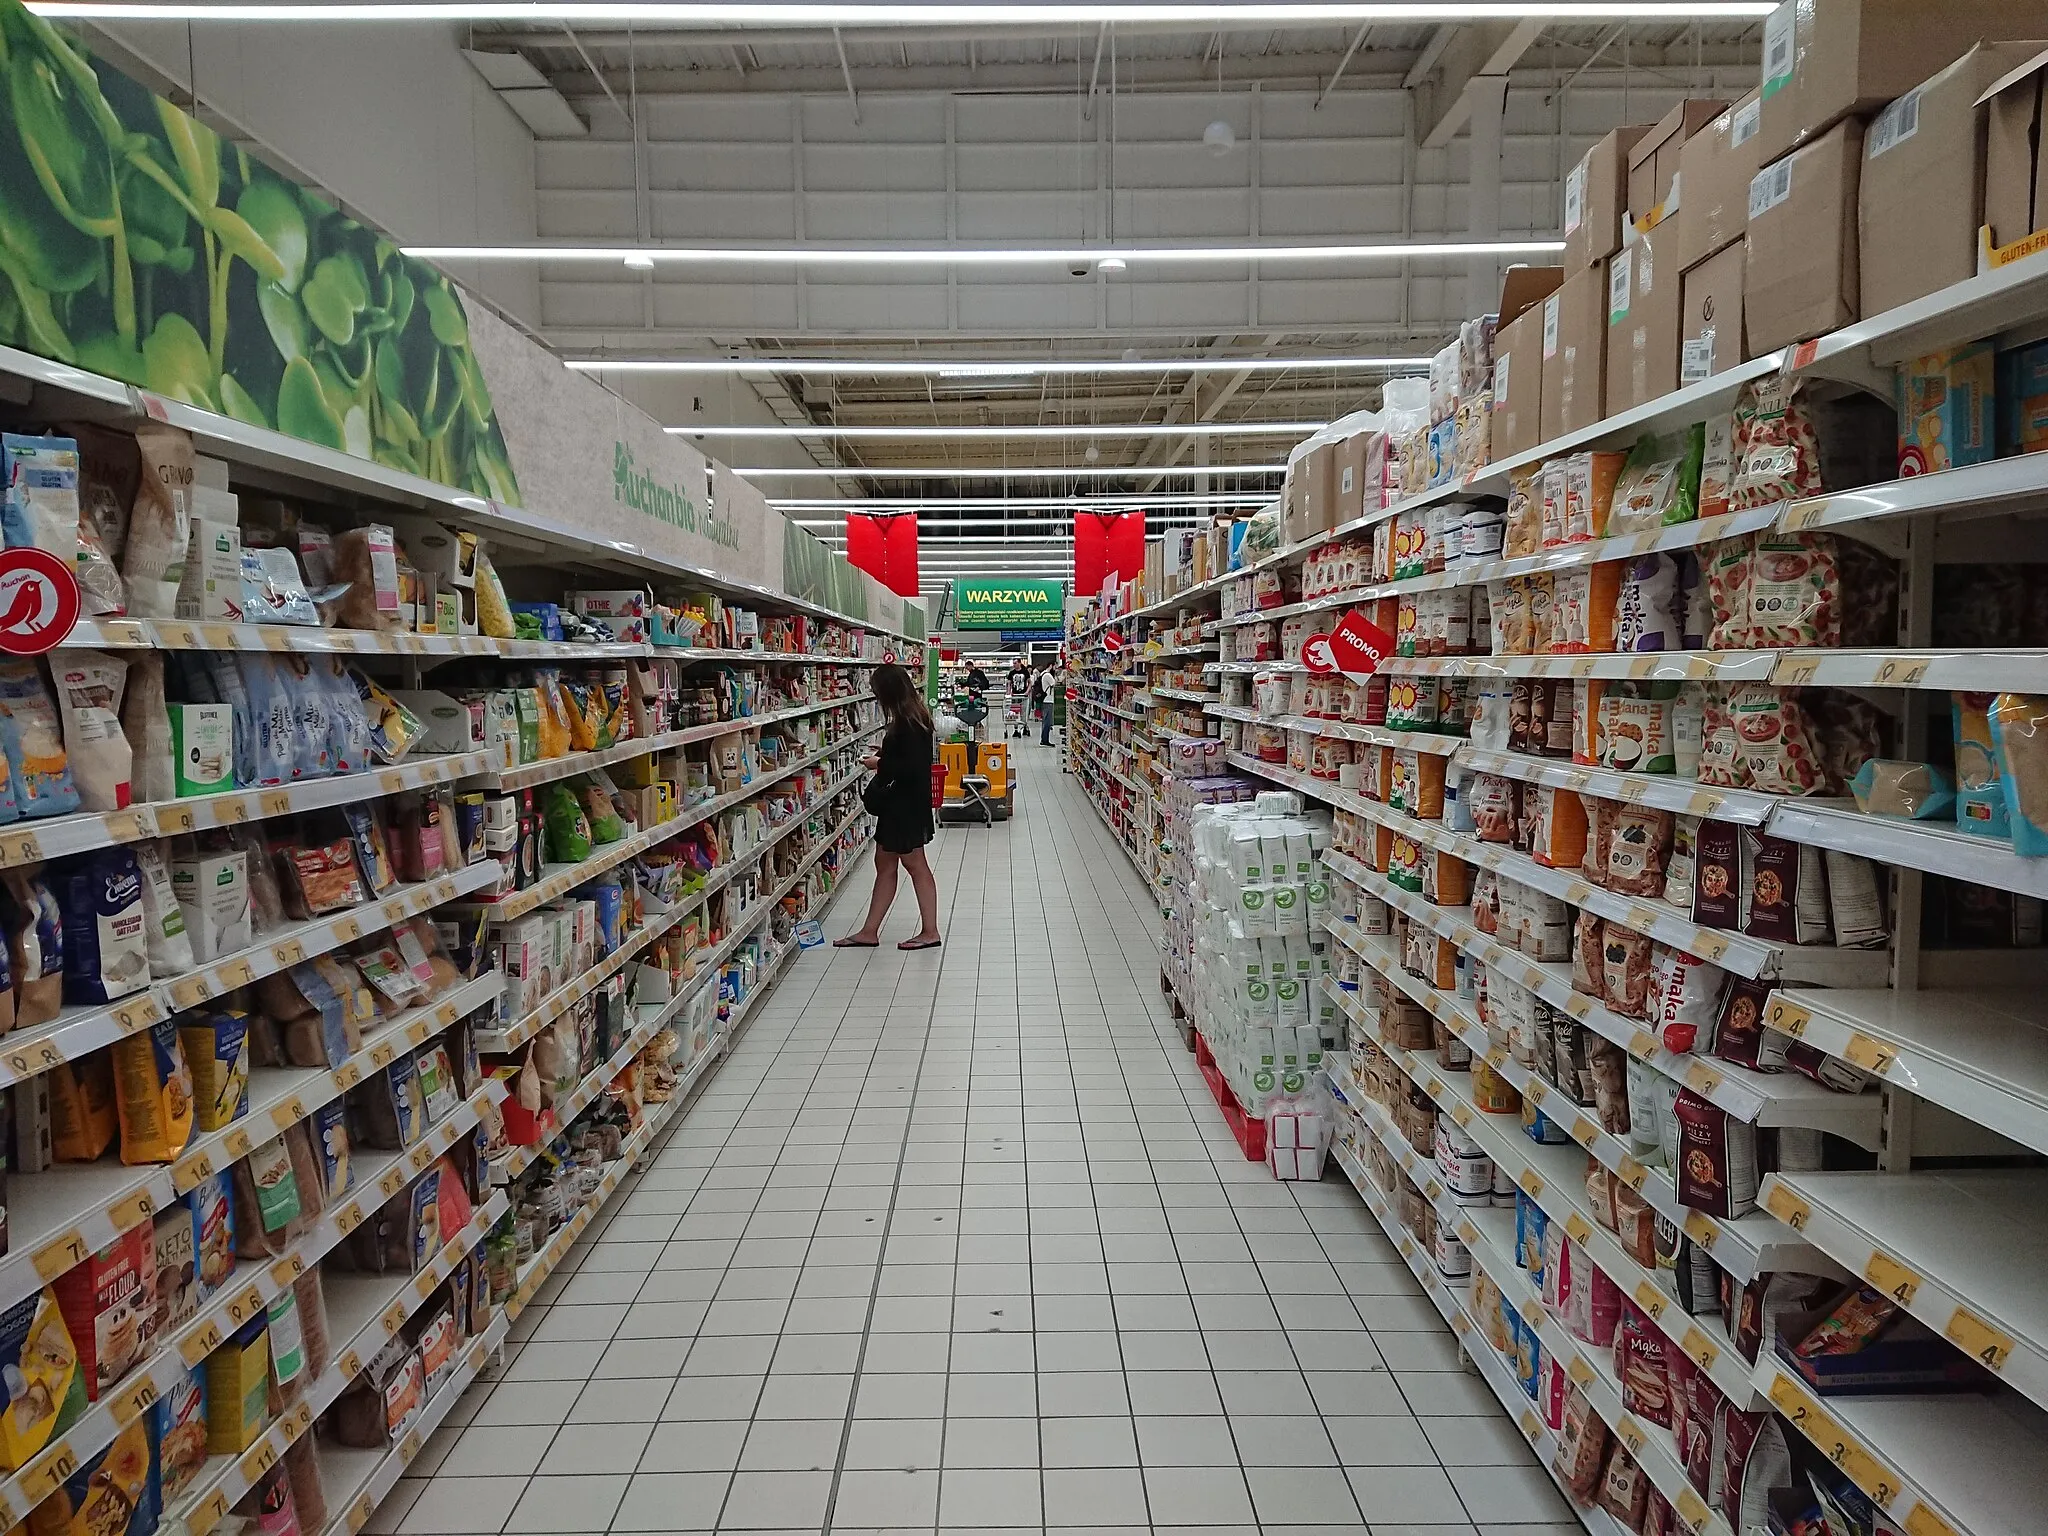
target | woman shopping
[{"x": 900, "y": 797}]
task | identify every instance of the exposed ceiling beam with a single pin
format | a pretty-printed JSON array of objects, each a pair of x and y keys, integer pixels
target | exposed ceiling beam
[
  {"x": 1425, "y": 61},
  {"x": 1477, "y": 51},
  {"x": 1095, "y": 74},
  {"x": 846, "y": 71},
  {"x": 1338, "y": 73}
]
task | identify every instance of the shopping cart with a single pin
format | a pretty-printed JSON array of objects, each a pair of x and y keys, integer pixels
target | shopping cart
[{"x": 1014, "y": 717}]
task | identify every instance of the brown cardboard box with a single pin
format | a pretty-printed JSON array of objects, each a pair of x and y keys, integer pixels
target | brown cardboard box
[
  {"x": 1594, "y": 191},
  {"x": 2015, "y": 169},
  {"x": 1575, "y": 353},
  {"x": 1653, "y": 160},
  {"x": 1307, "y": 508},
  {"x": 1921, "y": 198},
  {"x": 1518, "y": 359},
  {"x": 1710, "y": 337},
  {"x": 1829, "y": 59},
  {"x": 1714, "y": 171},
  {"x": 1347, "y": 479},
  {"x": 1642, "y": 318},
  {"x": 1802, "y": 267}
]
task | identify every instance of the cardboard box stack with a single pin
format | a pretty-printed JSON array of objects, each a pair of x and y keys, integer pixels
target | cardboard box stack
[{"x": 1518, "y": 359}]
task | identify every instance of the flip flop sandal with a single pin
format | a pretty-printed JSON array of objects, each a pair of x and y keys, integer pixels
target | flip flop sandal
[
  {"x": 919, "y": 944},
  {"x": 849, "y": 942}
]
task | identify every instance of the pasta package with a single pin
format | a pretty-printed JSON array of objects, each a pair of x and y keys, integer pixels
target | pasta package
[
  {"x": 153, "y": 1094},
  {"x": 1774, "y": 742},
  {"x": 90, "y": 685},
  {"x": 217, "y": 1050},
  {"x": 45, "y": 1386},
  {"x": 1590, "y": 479},
  {"x": 1523, "y": 534},
  {"x": 1582, "y": 608},
  {"x": 2019, "y": 733},
  {"x": 159, "y": 523},
  {"x": 40, "y": 770},
  {"x": 1659, "y": 484}
]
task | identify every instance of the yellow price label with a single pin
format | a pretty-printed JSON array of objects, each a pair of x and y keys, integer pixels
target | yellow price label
[
  {"x": 190, "y": 991},
  {"x": 1650, "y": 1299},
  {"x": 137, "y": 1013},
  {"x": 394, "y": 1317},
  {"x": 1787, "y": 1207},
  {"x": 1632, "y": 1173},
  {"x": 236, "y": 973},
  {"x": 274, "y": 802},
  {"x": 1578, "y": 1229},
  {"x": 1577, "y": 892},
  {"x": 1923, "y": 1521},
  {"x": 133, "y": 1401},
  {"x": 173, "y": 819},
  {"x": 1630, "y": 1434},
  {"x": 393, "y": 1180},
  {"x": 244, "y": 1308},
  {"x": 200, "y": 1342},
  {"x": 1584, "y": 1131},
  {"x": 1795, "y": 671},
  {"x": 60, "y": 1253},
  {"x": 1643, "y": 1045},
  {"x": 40, "y": 1057},
  {"x": 348, "y": 1218},
  {"x": 1901, "y": 672},
  {"x": 287, "y": 954},
  {"x": 347, "y": 1075},
  {"x": 1702, "y": 1079},
  {"x": 351, "y": 1365},
  {"x": 189, "y": 1171},
  {"x": 1699, "y": 1349},
  {"x": 1580, "y": 1372},
  {"x": 382, "y": 1054},
  {"x": 48, "y": 1472},
  {"x": 1873, "y": 1056},
  {"x": 1692, "y": 1510},
  {"x": 1701, "y": 1229},
  {"x": 257, "y": 1460},
  {"x": 289, "y": 1113},
  {"x": 1461, "y": 1113},
  {"x": 422, "y": 1156},
  {"x": 131, "y": 1210},
  {"x": 1788, "y": 1017},
  {"x": 286, "y": 1270},
  {"x": 212, "y": 1512},
  {"x": 347, "y": 930},
  {"x": 360, "y": 1512},
  {"x": 1532, "y": 1427},
  {"x": 1892, "y": 1278},
  {"x": 237, "y": 1143},
  {"x": 409, "y": 1447},
  {"x": 233, "y": 809},
  {"x": 19, "y": 848},
  {"x": 1971, "y": 1334},
  {"x": 1578, "y": 1005},
  {"x": 1532, "y": 1183}
]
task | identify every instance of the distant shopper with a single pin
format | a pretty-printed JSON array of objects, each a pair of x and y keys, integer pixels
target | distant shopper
[
  {"x": 1019, "y": 678},
  {"x": 1045, "y": 687},
  {"x": 977, "y": 679},
  {"x": 900, "y": 798}
]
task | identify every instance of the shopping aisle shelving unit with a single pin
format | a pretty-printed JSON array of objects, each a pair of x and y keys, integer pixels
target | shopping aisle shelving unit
[
  {"x": 60, "y": 1216},
  {"x": 1948, "y": 1040}
]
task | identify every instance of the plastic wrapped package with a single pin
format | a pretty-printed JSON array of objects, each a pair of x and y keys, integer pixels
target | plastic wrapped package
[{"x": 1659, "y": 483}]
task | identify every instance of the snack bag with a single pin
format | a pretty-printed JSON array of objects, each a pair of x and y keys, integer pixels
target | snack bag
[
  {"x": 1659, "y": 485},
  {"x": 2019, "y": 733},
  {"x": 41, "y": 772}
]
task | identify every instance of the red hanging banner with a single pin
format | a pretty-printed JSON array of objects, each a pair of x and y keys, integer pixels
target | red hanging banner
[{"x": 884, "y": 544}]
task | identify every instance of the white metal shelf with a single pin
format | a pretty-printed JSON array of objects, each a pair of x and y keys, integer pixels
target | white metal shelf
[
  {"x": 1962, "y": 1250},
  {"x": 1982, "y": 1053}
]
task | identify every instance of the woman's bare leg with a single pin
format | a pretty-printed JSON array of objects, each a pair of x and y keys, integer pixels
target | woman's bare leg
[
  {"x": 926, "y": 885},
  {"x": 870, "y": 932}
]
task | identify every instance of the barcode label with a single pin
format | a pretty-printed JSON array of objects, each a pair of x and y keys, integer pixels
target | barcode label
[
  {"x": 1574, "y": 196},
  {"x": 1618, "y": 277},
  {"x": 1696, "y": 359},
  {"x": 1895, "y": 124},
  {"x": 1550, "y": 326},
  {"x": 1500, "y": 380},
  {"x": 1770, "y": 187},
  {"x": 1778, "y": 49},
  {"x": 1748, "y": 118}
]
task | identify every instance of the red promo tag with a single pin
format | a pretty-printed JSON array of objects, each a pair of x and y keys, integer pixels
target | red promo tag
[
  {"x": 1112, "y": 640},
  {"x": 1317, "y": 657},
  {"x": 39, "y": 601},
  {"x": 1359, "y": 646}
]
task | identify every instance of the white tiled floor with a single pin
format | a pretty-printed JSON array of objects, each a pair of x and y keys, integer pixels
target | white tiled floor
[{"x": 958, "y": 1240}]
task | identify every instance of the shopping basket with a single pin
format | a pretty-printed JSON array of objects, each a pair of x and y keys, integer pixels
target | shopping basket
[{"x": 938, "y": 786}]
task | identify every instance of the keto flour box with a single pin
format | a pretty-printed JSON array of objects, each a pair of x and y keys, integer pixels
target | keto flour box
[{"x": 203, "y": 748}]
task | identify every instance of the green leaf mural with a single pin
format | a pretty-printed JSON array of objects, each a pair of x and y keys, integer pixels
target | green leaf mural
[{"x": 133, "y": 242}]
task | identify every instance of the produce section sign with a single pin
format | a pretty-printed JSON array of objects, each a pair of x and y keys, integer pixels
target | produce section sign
[{"x": 979, "y": 604}]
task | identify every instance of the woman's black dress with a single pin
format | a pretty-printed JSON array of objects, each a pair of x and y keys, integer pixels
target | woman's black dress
[{"x": 901, "y": 792}]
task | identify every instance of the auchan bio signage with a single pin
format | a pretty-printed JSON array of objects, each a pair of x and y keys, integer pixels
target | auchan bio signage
[{"x": 1008, "y": 604}]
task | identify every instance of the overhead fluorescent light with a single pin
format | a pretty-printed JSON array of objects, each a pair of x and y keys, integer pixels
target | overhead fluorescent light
[
  {"x": 1060, "y": 472},
  {"x": 1133, "y": 429},
  {"x": 766, "y": 13},
  {"x": 825, "y": 255},
  {"x": 911, "y": 368}
]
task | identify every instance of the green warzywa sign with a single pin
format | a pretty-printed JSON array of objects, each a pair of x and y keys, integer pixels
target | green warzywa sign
[{"x": 1008, "y": 604}]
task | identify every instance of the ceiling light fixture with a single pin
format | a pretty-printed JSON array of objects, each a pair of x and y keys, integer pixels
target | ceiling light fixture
[
  {"x": 1135, "y": 429},
  {"x": 1006, "y": 472},
  {"x": 987, "y": 255},
  {"x": 767, "y": 13},
  {"x": 1018, "y": 368},
  {"x": 640, "y": 261}
]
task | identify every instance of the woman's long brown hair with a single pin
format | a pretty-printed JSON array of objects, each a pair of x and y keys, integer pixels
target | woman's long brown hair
[{"x": 899, "y": 697}]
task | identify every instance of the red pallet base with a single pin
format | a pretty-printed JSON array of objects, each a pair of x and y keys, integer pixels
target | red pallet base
[{"x": 1249, "y": 1130}]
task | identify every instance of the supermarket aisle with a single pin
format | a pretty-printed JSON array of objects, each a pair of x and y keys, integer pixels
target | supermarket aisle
[{"x": 958, "y": 1240}]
